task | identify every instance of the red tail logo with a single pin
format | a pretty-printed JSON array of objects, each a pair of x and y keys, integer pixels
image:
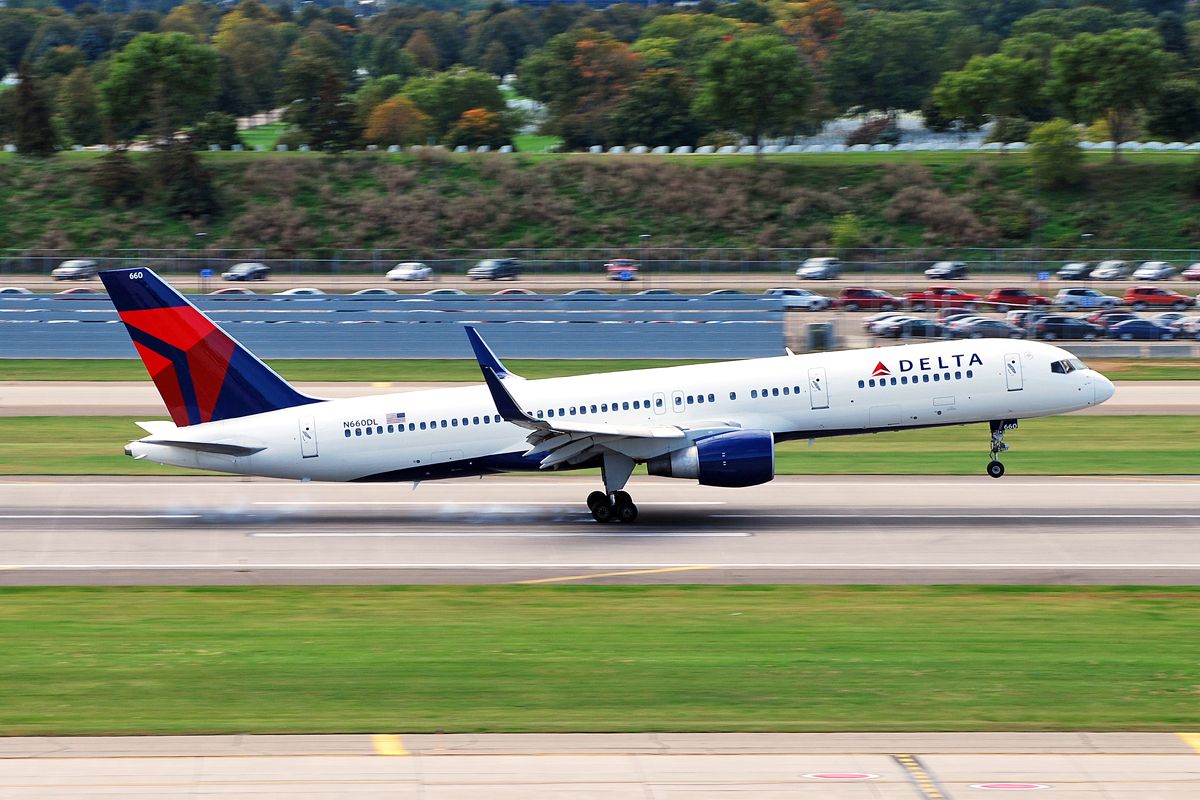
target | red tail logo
[{"x": 880, "y": 369}]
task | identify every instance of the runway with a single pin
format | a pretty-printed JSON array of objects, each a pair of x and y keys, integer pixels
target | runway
[
  {"x": 140, "y": 398},
  {"x": 849, "y": 530},
  {"x": 652, "y": 766}
]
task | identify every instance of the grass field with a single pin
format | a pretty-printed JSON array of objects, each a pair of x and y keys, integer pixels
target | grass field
[
  {"x": 427, "y": 370},
  {"x": 265, "y": 135},
  {"x": 1053, "y": 446},
  {"x": 734, "y": 658},
  {"x": 535, "y": 143}
]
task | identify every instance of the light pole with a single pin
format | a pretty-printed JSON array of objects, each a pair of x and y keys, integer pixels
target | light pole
[
  {"x": 642, "y": 240},
  {"x": 201, "y": 237}
]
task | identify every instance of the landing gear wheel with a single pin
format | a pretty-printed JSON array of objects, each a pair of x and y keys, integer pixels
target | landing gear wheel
[
  {"x": 596, "y": 499},
  {"x": 626, "y": 511},
  {"x": 603, "y": 512},
  {"x": 995, "y": 469}
]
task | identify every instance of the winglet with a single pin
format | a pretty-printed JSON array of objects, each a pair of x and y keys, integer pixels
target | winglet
[
  {"x": 485, "y": 356},
  {"x": 504, "y": 401}
]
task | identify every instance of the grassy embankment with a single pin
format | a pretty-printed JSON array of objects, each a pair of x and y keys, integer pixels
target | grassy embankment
[
  {"x": 754, "y": 658},
  {"x": 310, "y": 204},
  {"x": 465, "y": 370},
  {"x": 1132, "y": 445}
]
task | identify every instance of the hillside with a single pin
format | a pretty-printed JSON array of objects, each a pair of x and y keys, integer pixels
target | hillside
[{"x": 310, "y": 205}]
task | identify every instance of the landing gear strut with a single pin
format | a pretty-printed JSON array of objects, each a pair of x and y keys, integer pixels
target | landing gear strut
[
  {"x": 994, "y": 468},
  {"x": 613, "y": 505}
]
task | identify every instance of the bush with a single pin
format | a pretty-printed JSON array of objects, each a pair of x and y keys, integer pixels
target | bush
[
  {"x": 116, "y": 178},
  {"x": 1055, "y": 155},
  {"x": 215, "y": 128},
  {"x": 1010, "y": 129}
]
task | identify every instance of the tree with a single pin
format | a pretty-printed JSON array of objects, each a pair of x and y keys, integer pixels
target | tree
[
  {"x": 79, "y": 108},
  {"x": 990, "y": 86},
  {"x": 34, "y": 133},
  {"x": 116, "y": 178},
  {"x": 657, "y": 110},
  {"x": 187, "y": 187},
  {"x": 420, "y": 48},
  {"x": 1055, "y": 156},
  {"x": 398, "y": 121},
  {"x": 194, "y": 17},
  {"x": 162, "y": 81},
  {"x": 17, "y": 28},
  {"x": 501, "y": 39},
  {"x": 1113, "y": 74},
  {"x": 311, "y": 67},
  {"x": 447, "y": 95},
  {"x": 847, "y": 232},
  {"x": 756, "y": 85},
  {"x": 374, "y": 92},
  {"x": 1174, "y": 114},
  {"x": 248, "y": 37},
  {"x": 215, "y": 128},
  {"x": 333, "y": 126},
  {"x": 478, "y": 127}
]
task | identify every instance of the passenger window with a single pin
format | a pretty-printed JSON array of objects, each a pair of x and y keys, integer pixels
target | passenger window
[
  {"x": 572, "y": 411},
  {"x": 903, "y": 380},
  {"x": 785, "y": 390},
  {"x": 550, "y": 412},
  {"x": 497, "y": 418},
  {"x": 391, "y": 428},
  {"x": 958, "y": 376},
  {"x": 476, "y": 419},
  {"x": 604, "y": 407},
  {"x": 369, "y": 431},
  {"x": 712, "y": 398},
  {"x": 625, "y": 406},
  {"x": 358, "y": 431},
  {"x": 872, "y": 383},
  {"x": 970, "y": 373},
  {"x": 422, "y": 426},
  {"x": 593, "y": 409},
  {"x": 347, "y": 433},
  {"x": 925, "y": 379},
  {"x": 893, "y": 381},
  {"x": 754, "y": 393},
  {"x": 454, "y": 423},
  {"x": 562, "y": 412},
  {"x": 775, "y": 392},
  {"x": 947, "y": 377},
  {"x": 796, "y": 389},
  {"x": 733, "y": 395},
  {"x": 637, "y": 404},
  {"x": 379, "y": 430},
  {"x": 443, "y": 423},
  {"x": 936, "y": 377},
  {"x": 465, "y": 423},
  {"x": 861, "y": 384},
  {"x": 691, "y": 399}
]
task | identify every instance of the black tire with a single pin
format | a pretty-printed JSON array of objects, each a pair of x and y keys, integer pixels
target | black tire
[
  {"x": 1166, "y": 337},
  {"x": 968, "y": 307},
  {"x": 975, "y": 336},
  {"x": 851, "y": 306},
  {"x": 596, "y": 498},
  {"x": 1089, "y": 337},
  {"x": 886, "y": 307},
  {"x": 995, "y": 469},
  {"x": 1049, "y": 336},
  {"x": 622, "y": 497},
  {"x": 1126, "y": 337},
  {"x": 627, "y": 513},
  {"x": 918, "y": 306},
  {"x": 1180, "y": 306},
  {"x": 603, "y": 512},
  {"x": 1139, "y": 306},
  {"x": 1001, "y": 308}
]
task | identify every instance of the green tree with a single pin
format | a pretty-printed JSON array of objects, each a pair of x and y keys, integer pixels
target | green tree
[
  {"x": 657, "y": 110},
  {"x": 187, "y": 187},
  {"x": 34, "y": 132},
  {"x": 374, "y": 92},
  {"x": 397, "y": 121},
  {"x": 162, "y": 81},
  {"x": 311, "y": 67},
  {"x": 17, "y": 28},
  {"x": 1113, "y": 74},
  {"x": 333, "y": 126},
  {"x": 1174, "y": 114},
  {"x": 990, "y": 86},
  {"x": 1054, "y": 154},
  {"x": 500, "y": 40},
  {"x": 478, "y": 127},
  {"x": 756, "y": 85},
  {"x": 447, "y": 95},
  {"x": 79, "y": 107},
  {"x": 215, "y": 128},
  {"x": 248, "y": 37},
  {"x": 116, "y": 179},
  {"x": 847, "y": 232}
]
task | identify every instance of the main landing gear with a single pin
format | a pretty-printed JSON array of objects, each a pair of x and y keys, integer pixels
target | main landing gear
[
  {"x": 994, "y": 468},
  {"x": 613, "y": 505}
]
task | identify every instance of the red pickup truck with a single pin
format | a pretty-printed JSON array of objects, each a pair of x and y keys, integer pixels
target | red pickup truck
[
  {"x": 941, "y": 297},
  {"x": 1004, "y": 299}
]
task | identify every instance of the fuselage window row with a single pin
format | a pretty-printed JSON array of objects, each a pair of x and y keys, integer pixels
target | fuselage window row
[{"x": 904, "y": 380}]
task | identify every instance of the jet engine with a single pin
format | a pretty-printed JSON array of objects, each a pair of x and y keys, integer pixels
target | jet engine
[{"x": 736, "y": 458}]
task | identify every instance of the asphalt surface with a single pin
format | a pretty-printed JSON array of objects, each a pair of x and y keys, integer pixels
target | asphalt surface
[
  {"x": 140, "y": 398},
  {"x": 652, "y": 766},
  {"x": 897, "y": 530}
]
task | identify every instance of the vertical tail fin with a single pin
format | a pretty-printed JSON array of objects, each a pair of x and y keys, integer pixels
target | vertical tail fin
[{"x": 202, "y": 373}]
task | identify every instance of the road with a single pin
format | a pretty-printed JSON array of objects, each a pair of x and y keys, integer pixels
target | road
[
  {"x": 140, "y": 398},
  {"x": 652, "y": 766},
  {"x": 895, "y": 530}
]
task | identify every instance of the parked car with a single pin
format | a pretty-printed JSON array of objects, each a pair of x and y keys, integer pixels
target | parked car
[
  {"x": 233, "y": 290},
  {"x": 247, "y": 271},
  {"x": 443, "y": 293},
  {"x": 983, "y": 328},
  {"x": 1192, "y": 273},
  {"x": 300, "y": 291},
  {"x": 578, "y": 292},
  {"x": 78, "y": 290},
  {"x": 1154, "y": 271},
  {"x": 515, "y": 293},
  {"x": 719, "y": 292},
  {"x": 1075, "y": 271},
  {"x": 1145, "y": 329},
  {"x": 1169, "y": 318},
  {"x": 1060, "y": 326},
  {"x": 77, "y": 269},
  {"x": 876, "y": 324},
  {"x": 494, "y": 269},
  {"x": 1110, "y": 271},
  {"x": 14, "y": 290},
  {"x": 1141, "y": 297},
  {"x": 1004, "y": 299},
  {"x": 854, "y": 298},
  {"x": 914, "y": 328},
  {"x": 941, "y": 297},
  {"x": 948, "y": 315},
  {"x": 410, "y": 271},
  {"x": 801, "y": 298},
  {"x": 1108, "y": 318},
  {"x": 947, "y": 271},
  {"x": 820, "y": 269},
  {"x": 622, "y": 269},
  {"x": 1188, "y": 326},
  {"x": 958, "y": 326},
  {"x": 374, "y": 291},
  {"x": 645, "y": 292},
  {"x": 1084, "y": 297},
  {"x": 1024, "y": 318}
]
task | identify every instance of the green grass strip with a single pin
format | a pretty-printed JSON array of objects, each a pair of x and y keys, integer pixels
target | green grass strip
[
  {"x": 394, "y": 370},
  {"x": 1073, "y": 445},
  {"x": 763, "y": 658}
]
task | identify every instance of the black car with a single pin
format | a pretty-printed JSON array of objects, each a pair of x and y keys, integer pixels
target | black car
[
  {"x": 1075, "y": 271},
  {"x": 1140, "y": 329},
  {"x": 947, "y": 271},
  {"x": 1058, "y": 326},
  {"x": 914, "y": 329},
  {"x": 990, "y": 329},
  {"x": 494, "y": 269},
  {"x": 248, "y": 271}
]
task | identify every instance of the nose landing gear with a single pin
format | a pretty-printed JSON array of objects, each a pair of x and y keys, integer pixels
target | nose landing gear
[{"x": 994, "y": 468}]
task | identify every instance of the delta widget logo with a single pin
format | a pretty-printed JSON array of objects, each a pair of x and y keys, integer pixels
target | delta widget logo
[{"x": 879, "y": 370}]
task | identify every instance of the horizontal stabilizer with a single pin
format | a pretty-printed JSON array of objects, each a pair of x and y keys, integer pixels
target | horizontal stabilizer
[{"x": 222, "y": 448}]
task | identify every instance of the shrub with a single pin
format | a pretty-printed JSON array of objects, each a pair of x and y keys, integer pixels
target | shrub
[
  {"x": 1055, "y": 155},
  {"x": 117, "y": 180}
]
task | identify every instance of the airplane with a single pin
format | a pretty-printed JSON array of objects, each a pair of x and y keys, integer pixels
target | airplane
[{"x": 717, "y": 424}]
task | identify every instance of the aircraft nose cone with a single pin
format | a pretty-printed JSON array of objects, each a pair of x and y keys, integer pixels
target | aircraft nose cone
[{"x": 1104, "y": 388}]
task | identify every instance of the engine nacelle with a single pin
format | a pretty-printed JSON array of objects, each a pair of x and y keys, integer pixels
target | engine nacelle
[{"x": 737, "y": 458}]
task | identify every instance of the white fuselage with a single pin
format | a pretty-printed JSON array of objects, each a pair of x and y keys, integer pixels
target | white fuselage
[{"x": 458, "y": 432}]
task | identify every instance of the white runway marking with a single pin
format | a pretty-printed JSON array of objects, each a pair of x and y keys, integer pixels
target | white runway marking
[
  {"x": 100, "y": 516},
  {"x": 466, "y": 503},
  {"x": 612, "y": 566},
  {"x": 952, "y": 515},
  {"x": 615, "y": 534}
]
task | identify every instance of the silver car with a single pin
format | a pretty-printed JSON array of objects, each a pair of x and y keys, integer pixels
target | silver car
[
  {"x": 1154, "y": 271},
  {"x": 1110, "y": 271},
  {"x": 820, "y": 269},
  {"x": 801, "y": 299},
  {"x": 77, "y": 269},
  {"x": 1076, "y": 297}
]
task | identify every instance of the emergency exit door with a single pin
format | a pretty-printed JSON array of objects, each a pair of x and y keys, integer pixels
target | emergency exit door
[
  {"x": 1012, "y": 372},
  {"x": 308, "y": 437},
  {"x": 818, "y": 392}
]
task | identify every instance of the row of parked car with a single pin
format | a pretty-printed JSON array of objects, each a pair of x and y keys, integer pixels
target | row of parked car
[
  {"x": 1035, "y": 324},
  {"x": 827, "y": 269},
  {"x": 857, "y": 298}
]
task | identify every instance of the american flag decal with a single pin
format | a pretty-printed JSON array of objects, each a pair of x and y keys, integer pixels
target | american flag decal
[{"x": 392, "y": 418}]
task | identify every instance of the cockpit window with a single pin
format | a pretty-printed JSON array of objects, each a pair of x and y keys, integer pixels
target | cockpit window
[{"x": 1067, "y": 365}]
